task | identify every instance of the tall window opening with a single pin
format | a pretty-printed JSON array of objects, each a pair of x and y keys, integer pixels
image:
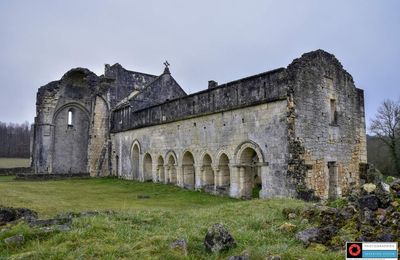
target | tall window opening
[
  {"x": 333, "y": 115},
  {"x": 70, "y": 117}
]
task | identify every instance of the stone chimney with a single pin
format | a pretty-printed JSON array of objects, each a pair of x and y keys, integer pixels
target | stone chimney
[{"x": 212, "y": 84}]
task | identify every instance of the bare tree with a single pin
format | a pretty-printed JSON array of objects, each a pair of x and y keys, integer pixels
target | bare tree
[{"x": 386, "y": 126}]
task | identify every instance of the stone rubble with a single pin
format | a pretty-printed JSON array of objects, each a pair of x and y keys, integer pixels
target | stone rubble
[
  {"x": 369, "y": 215},
  {"x": 218, "y": 239}
]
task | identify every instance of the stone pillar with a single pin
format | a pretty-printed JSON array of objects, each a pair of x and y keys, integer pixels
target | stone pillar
[
  {"x": 201, "y": 176},
  {"x": 140, "y": 169},
  {"x": 242, "y": 180},
  {"x": 266, "y": 182},
  {"x": 339, "y": 188},
  {"x": 234, "y": 181},
  {"x": 154, "y": 172},
  {"x": 217, "y": 176},
  {"x": 179, "y": 176}
]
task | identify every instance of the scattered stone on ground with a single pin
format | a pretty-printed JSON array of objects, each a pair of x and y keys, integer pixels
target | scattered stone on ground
[
  {"x": 181, "y": 245},
  {"x": 274, "y": 257},
  {"x": 244, "y": 256},
  {"x": 318, "y": 247},
  {"x": 369, "y": 187},
  {"x": 368, "y": 201},
  {"x": 317, "y": 234},
  {"x": 373, "y": 175},
  {"x": 218, "y": 239},
  {"x": 50, "y": 222},
  {"x": 304, "y": 221},
  {"x": 60, "y": 223},
  {"x": 8, "y": 214},
  {"x": 4, "y": 230},
  {"x": 16, "y": 240},
  {"x": 80, "y": 214},
  {"x": 287, "y": 227},
  {"x": 59, "y": 228},
  {"x": 370, "y": 213},
  {"x": 290, "y": 213},
  {"x": 143, "y": 197},
  {"x": 395, "y": 186}
]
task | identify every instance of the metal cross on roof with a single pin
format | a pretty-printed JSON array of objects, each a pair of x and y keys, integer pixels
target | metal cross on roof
[{"x": 166, "y": 63}]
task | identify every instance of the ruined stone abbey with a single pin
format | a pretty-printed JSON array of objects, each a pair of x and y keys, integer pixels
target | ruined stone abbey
[{"x": 297, "y": 131}]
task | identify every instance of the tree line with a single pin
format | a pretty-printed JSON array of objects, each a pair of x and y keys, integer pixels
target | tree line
[
  {"x": 384, "y": 146},
  {"x": 15, "y": 140}
]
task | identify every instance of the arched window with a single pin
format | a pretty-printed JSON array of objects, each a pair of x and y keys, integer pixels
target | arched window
[{"x": 70, "y": 117}]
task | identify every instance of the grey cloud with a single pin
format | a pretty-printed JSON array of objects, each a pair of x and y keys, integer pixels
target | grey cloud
[{"x": 203, "y": 40}]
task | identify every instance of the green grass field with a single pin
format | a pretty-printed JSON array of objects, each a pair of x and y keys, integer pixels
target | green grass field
[
  {"x": 144, "y": 228},
  {"x": 14, "y": 162}
]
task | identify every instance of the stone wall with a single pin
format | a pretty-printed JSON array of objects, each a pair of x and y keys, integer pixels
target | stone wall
[
  {"x": 180, "y": 148},
  {"x": 99, "y": 139},
  {"x": 73, "y": 91},
  {"x": 60, "y": 146},
  {"x": 329, "y": 122},
  {"x": 161, "y": 90},
  {"x": 125, "y": 82},
  {"x": 257, "y": 89},
  {"x": 291, "y": 132}
]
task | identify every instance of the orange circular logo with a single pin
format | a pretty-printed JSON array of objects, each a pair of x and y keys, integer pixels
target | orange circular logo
[{"x": 354, "y": 250}]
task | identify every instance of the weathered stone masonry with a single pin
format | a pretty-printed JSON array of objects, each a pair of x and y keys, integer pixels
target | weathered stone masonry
[{"x": 295, "y": 131}]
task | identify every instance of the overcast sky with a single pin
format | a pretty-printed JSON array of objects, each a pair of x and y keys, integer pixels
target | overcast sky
[{"x": 202, "y": 40}]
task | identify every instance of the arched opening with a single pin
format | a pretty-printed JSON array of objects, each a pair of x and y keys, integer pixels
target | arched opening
[
  {"x": 249, "y": 174},
  {"x": 135, "y": 161},
  {"x": 188, "y": 170},
  {"x": 224, "y": 175},
  {"x": 208, "y": 173},
  {"x": 171, "y": 170},
  {"x": 147, "y": 167},
  {"x": 160, "y": 169}
]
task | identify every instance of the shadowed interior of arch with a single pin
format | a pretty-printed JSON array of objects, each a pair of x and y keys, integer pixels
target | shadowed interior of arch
[
  {"x": 171, "y": 170},
  {"x": 160, "y": 170},
  {"x": 223, "y": 175},
  {"x": 249, "y": 174},
  {"x": 188, "y": 170},
  {"x": 208, "y": 173},
  {"x": 117, "y": 172},
  {"x": 135, "y": 161},
  {"x": 147, "y": 167}
]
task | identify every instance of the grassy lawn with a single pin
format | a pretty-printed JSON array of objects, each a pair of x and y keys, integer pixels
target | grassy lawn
[
  {"x": 14, "y": 162},
  {"x": 144, "y": 228}
]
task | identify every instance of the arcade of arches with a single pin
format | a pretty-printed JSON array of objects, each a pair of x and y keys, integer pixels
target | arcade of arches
[{"x": 238, "y": 176}]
